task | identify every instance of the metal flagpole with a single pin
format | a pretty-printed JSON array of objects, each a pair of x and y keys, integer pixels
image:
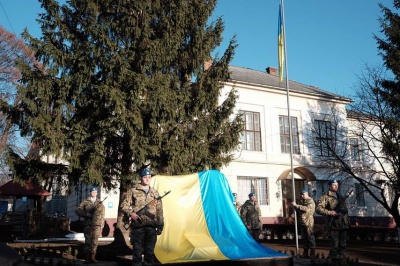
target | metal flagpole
[{"x": 290, "y": 122}]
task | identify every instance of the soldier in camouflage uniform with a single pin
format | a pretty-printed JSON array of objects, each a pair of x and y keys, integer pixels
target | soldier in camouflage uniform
[
  {"x": 250, "y": 213},
  {"x": 146, "y": 226},
  {"x": 92, "y": 210},
  {"x": 306, "y": 209},
  {"x": 236, "y": 203},
  {"x": 333, "y": 206}
]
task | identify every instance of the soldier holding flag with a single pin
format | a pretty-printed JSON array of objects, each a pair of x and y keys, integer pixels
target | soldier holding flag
[{"x": 306, "y": 208}]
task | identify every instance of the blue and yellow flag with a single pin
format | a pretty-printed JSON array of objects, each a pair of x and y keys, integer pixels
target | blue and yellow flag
[
  {"x": 281, "y": 43},
  {"x": 201, "y": 223}
]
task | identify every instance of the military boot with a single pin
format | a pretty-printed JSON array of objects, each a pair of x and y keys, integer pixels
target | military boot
[
  {"x": 87, "y": 258},
  {"x": 93, "y": 257},
  {"x": 312, "y": 253},
  {"x": 335, "y": 262},
  {"x": 343, "y": 262},
  {"x": 305, "y": 254}
]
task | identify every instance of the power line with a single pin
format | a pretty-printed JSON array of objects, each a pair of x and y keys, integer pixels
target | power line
[{"x": 2, "y": 7}]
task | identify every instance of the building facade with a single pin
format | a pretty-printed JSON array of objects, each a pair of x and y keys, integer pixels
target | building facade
[{"x": 263, "y": 163}]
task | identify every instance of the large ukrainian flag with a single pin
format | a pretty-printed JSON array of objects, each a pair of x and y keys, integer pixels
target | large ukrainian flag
[{"x": 201, "y": 222}]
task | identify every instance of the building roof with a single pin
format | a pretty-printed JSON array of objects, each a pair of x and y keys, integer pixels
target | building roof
[
  {"x": 265, "y": 79},
  {"x": 15, "y": 189}
]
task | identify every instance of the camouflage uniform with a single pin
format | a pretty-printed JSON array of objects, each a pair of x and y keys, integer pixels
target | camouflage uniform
[
  {"x": 337, "y": 225},
  {"x": 237, "y": 205},
  {"x": 92, "y": 224},
  {"x": 143, "y": 232},
  {"x": 306, "y": 210},
  {"x": 250, "y": 213}
]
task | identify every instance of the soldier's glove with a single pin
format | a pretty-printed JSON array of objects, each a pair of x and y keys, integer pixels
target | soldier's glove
[{"x": 159, "y": 230}]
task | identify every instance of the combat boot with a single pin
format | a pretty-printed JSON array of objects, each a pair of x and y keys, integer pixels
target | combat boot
[
  {"x": 343, "y": 262},
  {"x": 312, "y": 253},
  {"x": 335, "y": 262},
  {"x": 93, "y": 257},
  {"x": 305, "y": 254},
  {"x": 87, "y": 258}
]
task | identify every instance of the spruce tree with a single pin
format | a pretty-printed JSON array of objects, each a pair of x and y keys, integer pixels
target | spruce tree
[
  {"x": 389, "y": 88},
  {"x": 125, "y": 87},
  {"x": 390, "y": 52}
]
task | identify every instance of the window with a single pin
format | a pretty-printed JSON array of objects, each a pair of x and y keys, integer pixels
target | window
[
  {"x": 324, "y": 137},
  {"x": 323, "y": 186},
  {"x": 360, "y": 195},
  {"x": 251, "y": 136},
  {"x": 285, "y": 136},
  {"x": 257, "y": 185},
  {"x": 354, "y": 149}
]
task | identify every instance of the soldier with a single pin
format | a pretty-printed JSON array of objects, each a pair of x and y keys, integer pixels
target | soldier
[
  {"x": 333, "y": 206},
  {"x": 146, "y": 225},
  {"x": 306, "y": 209},
  {"x": 250, "y": 213},
  {"x": 236, "y": 203},
  {"x": 92, "y": 210}
]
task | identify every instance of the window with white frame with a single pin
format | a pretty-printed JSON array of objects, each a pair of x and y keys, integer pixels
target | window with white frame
[
  {"x": 285, "y": 134},
  {"x": 258, "y": 185},
  {"x": 324, "y": 137},
  {"x": 251, "y": 135},
  {"x": 360, "y": 195},
  {"x": 354, "y": 149}
]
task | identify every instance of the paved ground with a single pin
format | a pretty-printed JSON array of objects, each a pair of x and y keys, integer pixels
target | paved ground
[
  {"x": 365, "y": 253},
  {"x": 361, "y": 253}
]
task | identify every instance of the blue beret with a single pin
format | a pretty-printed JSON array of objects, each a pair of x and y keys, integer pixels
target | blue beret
[
  {"x": 93, "y": 189},
  {"x": 304, "y": 190},
  {"x": 252, "y": 194},
  {"x": 332, "y": 181},
  {"x": 145, "y": 172}
]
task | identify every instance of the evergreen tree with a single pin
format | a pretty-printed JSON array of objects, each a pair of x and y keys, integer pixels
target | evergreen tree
[
  {"x": 126, "y": 87},
  {"x": 390, "y": 52},
  {"x": 389, "y": 89}
]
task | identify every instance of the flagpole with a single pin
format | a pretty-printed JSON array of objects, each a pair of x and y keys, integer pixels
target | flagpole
[{"x": 282, "y": 14}]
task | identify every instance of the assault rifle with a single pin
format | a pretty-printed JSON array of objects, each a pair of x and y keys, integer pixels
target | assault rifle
[
  {"x": 340, "y": 221},
  {"x": 341, "y": 208},
  {"x": 145, "y": 211},
  {"x": 101, "y": 202},
  {"x": 95, "y": 206}
]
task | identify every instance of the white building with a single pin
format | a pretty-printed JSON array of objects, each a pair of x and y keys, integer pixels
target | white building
[{"x": 263, "y": 163}]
